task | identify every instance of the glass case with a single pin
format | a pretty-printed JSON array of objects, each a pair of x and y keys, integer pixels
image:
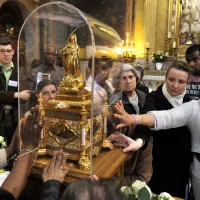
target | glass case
[{"x": 54, "y": 46}]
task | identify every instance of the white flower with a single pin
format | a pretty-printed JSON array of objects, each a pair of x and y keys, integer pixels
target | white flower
[
  {"x": 123, "y": 188},
  {"x": 3, "y": 144},
  {"x": 61, "y": 105},
  {"x": 1, "y": 139},
  {"x": 165, "y": 196}
]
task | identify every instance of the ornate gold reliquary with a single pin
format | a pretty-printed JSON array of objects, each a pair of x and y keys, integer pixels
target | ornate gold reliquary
[{"x": 68, "y": 122}]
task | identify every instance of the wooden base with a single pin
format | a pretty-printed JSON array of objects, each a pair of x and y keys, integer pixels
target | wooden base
[{"x": 107, "y": 164}]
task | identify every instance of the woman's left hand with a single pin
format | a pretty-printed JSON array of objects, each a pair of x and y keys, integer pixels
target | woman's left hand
[{"x": 119, "y": 139}]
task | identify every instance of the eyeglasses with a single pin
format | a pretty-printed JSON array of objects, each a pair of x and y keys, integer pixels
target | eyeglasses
[{"x": 8, "y": 51}]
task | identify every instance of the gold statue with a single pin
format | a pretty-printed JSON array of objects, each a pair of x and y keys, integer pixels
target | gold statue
[
  {"x": 71, "y": 56},
  {"x": 73, "y": 80}
]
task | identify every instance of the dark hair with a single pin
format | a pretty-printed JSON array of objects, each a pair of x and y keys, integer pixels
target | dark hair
[
  {"x": 141, "y": 70},
  {"x": 96, "y": 61},
  {"x": 87, "y": 189},
  {"x": 193, "y": 48},
  {"x": 106, "y": 66},
  {"x": 51, "y": 49},
  {"x": 45, "y": 83},
  {"x": 4, "y": 40},
  {"x": 179, "y": 65}
]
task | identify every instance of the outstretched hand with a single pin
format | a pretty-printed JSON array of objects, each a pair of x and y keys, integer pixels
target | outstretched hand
[
  {"x": 56, "y": 170},
  {"x": 31, "y": 128},
  {"x": 119, "y": 139},
  {"x": 125, "y": 118}
]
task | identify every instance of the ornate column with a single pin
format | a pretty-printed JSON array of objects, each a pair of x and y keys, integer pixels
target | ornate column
[
  {"x": 129, "y": 16},
  {"x": 150, "y": 16},
  {"x": 139, "y": 28},
  {"x": 37, "y": 39}
]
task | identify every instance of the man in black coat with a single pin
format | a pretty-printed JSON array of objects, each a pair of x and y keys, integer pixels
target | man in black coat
[{"x": 9, "y": 90}]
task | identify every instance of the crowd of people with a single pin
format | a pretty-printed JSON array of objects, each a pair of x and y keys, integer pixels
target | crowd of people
[{"x": 159, "y": 130}]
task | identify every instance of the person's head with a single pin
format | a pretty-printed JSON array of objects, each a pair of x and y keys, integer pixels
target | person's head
[
  {"x": 192, "y": 56},
  {"x": 48, "y": 90},
  {"x": 50, "y": 55},
  {"x": 93, "y": 190},
  {"x": 140, "y": 70},
  {"x": 177, "y": 78},
  {"x": 104, "y": 75},
  {"x": 97, "y": 65},
  {"x": 6, "y": 50},
  {"x": 125, "y": 78}
]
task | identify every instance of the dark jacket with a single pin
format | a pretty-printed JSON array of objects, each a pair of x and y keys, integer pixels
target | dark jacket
[
  {"x": 131, "y": 110},
  {"x": 139, "y": 166},
  {"x": 142, "y": 88},
  {"x": 171, "y": 151},
  {"x": 56, "y": 74},
  {"x": 7, "y": 97},
  {"x": 51, "y": 190},
  {"x": 5, "y": 195}
]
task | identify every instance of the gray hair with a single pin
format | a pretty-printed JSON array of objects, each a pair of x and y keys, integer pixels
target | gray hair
[{"x": 123, "y": 68}]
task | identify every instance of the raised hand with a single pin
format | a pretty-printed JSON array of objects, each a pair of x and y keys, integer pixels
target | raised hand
[
  {"x": 31, "y": 128},
  {"x": 122, "y": 115}
]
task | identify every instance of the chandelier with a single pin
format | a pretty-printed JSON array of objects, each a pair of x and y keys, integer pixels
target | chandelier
[{"x": 126, "y": 50}]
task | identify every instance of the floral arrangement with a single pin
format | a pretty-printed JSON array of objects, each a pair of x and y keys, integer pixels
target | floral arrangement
[
  {"x": 140, "y": 191},
  {"x": 2, "y": 142},
  {"x": 160, "y": 56}
]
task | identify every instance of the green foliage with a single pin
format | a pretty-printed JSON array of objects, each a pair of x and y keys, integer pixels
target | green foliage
[
  {"x": 144, "y": 194},
  {"x": 159, "y": 56}
]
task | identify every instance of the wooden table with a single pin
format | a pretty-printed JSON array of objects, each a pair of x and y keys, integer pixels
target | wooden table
[{"x": 107, "y": 164}]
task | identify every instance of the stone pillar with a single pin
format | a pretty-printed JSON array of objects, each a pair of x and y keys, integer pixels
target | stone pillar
[
  {"x": 139, "y": 28},
  {"x": 52, "y": 32},
  {"x": 161, "y": 24},
  {"x": 129, "y": 16},
  {"x": 150, "y": 16},
  {"x": 37, "y": 39}
]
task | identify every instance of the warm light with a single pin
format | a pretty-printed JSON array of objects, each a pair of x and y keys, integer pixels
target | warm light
[
  {"x": 128, "y": 50},
  {"x": 174, "y": 45},
  {"x": 147, "y": 45},
  {"x": 169, "y": 35}
]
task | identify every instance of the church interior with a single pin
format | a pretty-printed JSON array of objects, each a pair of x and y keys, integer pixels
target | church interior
[{"x": 95, "y": 72}]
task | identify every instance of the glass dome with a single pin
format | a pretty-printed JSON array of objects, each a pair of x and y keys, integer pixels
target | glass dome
[{"x": 56, "y": 44}]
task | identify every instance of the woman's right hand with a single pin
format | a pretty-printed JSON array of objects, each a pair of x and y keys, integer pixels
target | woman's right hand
[
  {"x": 31, "y": 128},
  {"x": 122, "y": 115}
]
